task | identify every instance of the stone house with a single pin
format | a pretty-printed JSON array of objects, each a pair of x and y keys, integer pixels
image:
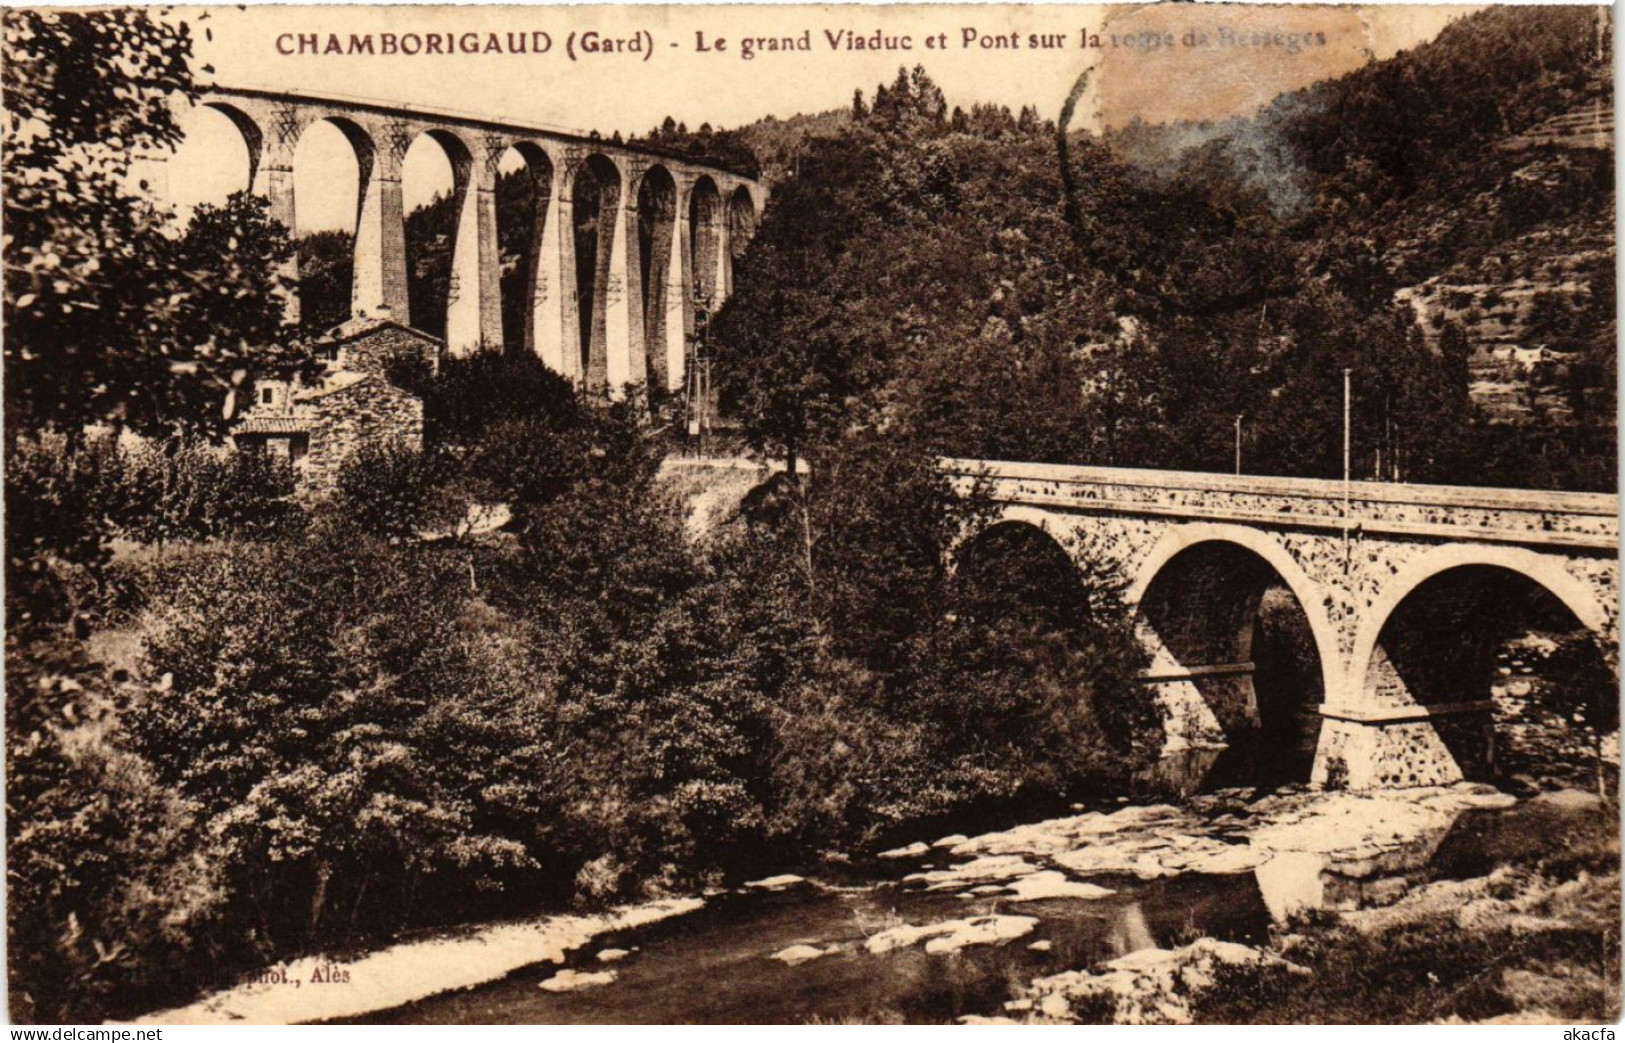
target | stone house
[{"x": 318, "y": 425}]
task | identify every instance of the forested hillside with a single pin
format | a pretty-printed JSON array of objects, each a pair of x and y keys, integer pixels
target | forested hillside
[
  {"x": 1440, "y": 222},
  {"x": 1470, "y": 180},
  {"x": 1405, "y": 222}
]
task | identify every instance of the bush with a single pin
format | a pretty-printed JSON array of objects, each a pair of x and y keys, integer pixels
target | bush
[
  {"x": 331, "y": 713},
  {"x": 112, "y": 890},
  {"x": 193, "y": 491}
]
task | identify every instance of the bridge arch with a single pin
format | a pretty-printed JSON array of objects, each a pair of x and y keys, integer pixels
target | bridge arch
[
  {"x": 1543, "y": 569},
  {"x": 253, "y": 136},
  {"x": 222, "y": 152},
  {"x": 1018, "y": 592},
  {"x": 741, "y": 228},
  {"x": 1202, "y": 598},
  {"x": 1430, "y": 647},
  {"x": 336, "y": 265},
  {"x": 522, "y": 222},
  {"x": 658, "y": 264},
  {"x": 1012, "y": 526},
  {"x": 443, "y": 289},
  {"x": 595, "y": 194},
  {"x": 705, "y": 219},
  {"x": 1310, "y": 597}
]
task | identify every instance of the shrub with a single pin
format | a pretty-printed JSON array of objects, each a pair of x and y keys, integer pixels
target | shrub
[
  {"x": 328, "y": 715},
  {"x": 112, "y": 888}
]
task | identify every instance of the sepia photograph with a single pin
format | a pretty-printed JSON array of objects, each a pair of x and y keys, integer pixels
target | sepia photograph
[{"x": 873, "y": 514}]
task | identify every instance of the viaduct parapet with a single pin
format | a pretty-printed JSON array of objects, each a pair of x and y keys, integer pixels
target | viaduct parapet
[
  {"x": 667, "y": 230},
  {"x": 1401, "y": 586}
]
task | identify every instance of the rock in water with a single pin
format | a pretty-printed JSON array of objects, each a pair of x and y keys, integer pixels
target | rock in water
[
  {"x": 1052, "y": 884},
  {"x": 570, "y": 981},
  {"x": 952, "y": 935},
  {"x": 1148, "y": 987},
  {"x": 798, "y": 954},
  {"x": 911, "y": 851}
]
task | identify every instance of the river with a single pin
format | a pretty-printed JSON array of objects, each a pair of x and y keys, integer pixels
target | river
[{"x": 1052, "y": 896}]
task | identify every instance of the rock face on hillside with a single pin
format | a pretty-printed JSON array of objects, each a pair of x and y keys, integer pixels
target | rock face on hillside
[
  {"x": 1537, "y": 306},
  {"x": 1469, "y": 178}
]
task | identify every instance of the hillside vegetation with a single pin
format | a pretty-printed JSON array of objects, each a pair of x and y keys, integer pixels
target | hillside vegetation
[{"x": 1470, "y": 180}]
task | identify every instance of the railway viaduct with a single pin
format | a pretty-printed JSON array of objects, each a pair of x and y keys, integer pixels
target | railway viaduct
[
  {"x": 667, "y": 230},
  {"x": 1399, "y": 584}
]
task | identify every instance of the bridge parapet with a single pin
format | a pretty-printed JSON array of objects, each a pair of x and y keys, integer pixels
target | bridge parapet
[{"x": 1574, "y": 521}]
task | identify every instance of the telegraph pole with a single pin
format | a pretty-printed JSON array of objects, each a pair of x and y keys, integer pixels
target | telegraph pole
[
  {"x": 1347, "y": 417},
  {"x": 699, "y": 374},
  {"x": 1239, "y": 418}
]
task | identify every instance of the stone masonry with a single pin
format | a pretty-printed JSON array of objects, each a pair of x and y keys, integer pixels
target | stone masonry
[
  {"x": 1196, "y": 552},
  {"x": 638, "y": 332},
  {"x": 320, "y": 426}
]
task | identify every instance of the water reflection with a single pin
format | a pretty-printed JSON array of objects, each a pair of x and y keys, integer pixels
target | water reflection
[
  {"x": 1129, "y": 931},
  {"x": 1338, "y": 851}
]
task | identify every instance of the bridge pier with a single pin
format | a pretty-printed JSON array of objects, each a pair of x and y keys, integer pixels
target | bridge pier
[
  {"x": 544, "y": 281},
  {"x": 474, "y": 310},
  {"x": 725, "y": 269},
  {"x": 1360, "y": 751},
  {"x": 679, "y": 288},
  {"x": 273, "y": 181},
  {"x": 1208, "y": 705},
  {"x": 572, "y": 356},
  {"x": 379, "y": 281},
  {"x": 634, "y": 367}
]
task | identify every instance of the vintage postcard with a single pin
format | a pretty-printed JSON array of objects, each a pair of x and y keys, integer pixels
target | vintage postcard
[{"x": 894, "y": 514}]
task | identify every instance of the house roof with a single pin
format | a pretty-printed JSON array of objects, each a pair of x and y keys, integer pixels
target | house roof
[
  {"x": 362, "y": 325},
  {"x": 273, "y": 425}
]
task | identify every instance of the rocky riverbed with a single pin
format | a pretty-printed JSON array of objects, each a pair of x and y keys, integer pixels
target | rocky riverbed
[{"x": 1128, "y": 913}]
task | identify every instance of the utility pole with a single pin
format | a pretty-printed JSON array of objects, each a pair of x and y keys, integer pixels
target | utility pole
[
  {"x": 1239, "y": 417},
  {"x": 698, "y": 384},
  {"x": 1347, "y": 417}
]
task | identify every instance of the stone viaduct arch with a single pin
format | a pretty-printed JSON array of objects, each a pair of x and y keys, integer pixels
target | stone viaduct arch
[
  {"x": 627, "y": 323},
  {"x": 1195, "y": 551},
  {"x": 708, "y": 230},
  {"x": 1197, "y": 595}
]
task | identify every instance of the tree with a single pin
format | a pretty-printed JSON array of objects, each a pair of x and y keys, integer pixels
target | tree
[
  {"x": 107, "y": 317},
  {"x": 326, "y": 692}
]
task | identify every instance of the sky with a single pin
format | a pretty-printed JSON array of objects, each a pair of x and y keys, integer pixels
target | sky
[{"x": 1162, "y": 62}]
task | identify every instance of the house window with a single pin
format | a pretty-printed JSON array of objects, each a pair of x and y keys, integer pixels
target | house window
[{"x": 268, "y": 395}]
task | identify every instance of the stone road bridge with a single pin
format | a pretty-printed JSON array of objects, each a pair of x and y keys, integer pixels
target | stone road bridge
[
  {"x": 1406, "y": 590},
  {"x": 666, "y": 227}
]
